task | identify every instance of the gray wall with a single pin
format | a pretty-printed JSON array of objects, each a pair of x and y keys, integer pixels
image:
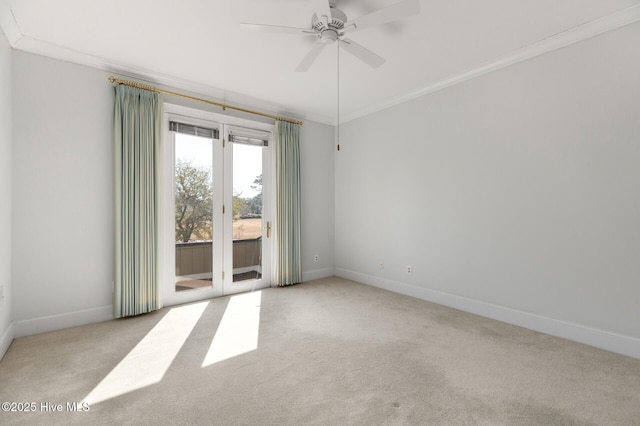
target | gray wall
[
  {"x": 5, "y": 188},
  {"x": 317, "y": 192},
  {"x": 62, "y": 185},
  {"x": 518, "y": 189}
]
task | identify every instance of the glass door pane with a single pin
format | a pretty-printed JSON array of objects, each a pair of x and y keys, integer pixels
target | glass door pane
[
  {"x": 247, "y": 251},
  {"x": 247, "y": 212},
  {"x": 194, "y": 236}
]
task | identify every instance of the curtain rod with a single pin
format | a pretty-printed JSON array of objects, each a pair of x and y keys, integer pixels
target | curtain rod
[{"x": 114, "y": 80}]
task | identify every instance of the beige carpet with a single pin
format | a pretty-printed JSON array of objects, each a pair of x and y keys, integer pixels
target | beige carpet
[{"x": 328, "y": 352}]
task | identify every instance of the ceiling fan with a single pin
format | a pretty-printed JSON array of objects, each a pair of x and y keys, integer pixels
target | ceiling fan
[{"x": 329, "y": 25}]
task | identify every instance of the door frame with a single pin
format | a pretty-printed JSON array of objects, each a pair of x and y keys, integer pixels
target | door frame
[{"x": 223, "y": 253}]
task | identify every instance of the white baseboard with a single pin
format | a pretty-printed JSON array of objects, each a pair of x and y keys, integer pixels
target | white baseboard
[
  {"x": 6, "y": 339},
  {"x": 317, "y": 274},
  {"x": 621, "y": 344},
  {"x": 58, "y": 322}
]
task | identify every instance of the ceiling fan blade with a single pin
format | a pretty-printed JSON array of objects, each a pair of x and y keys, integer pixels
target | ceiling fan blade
[
  {"x": 323, "y": 9},
  {"x": 310, "y": 57},
  {"x": 362, "y": 53},
  {"x": 275, "y": 29},
  {"x": 397, "y": 11}
]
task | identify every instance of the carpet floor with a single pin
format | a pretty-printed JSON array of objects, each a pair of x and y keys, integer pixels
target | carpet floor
[{"x": 329, "y": 351}]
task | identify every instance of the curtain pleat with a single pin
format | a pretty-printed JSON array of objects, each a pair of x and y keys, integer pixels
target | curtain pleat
[
  {"x": 288, "y": 260},
  {"x": 137, "y": 132}
]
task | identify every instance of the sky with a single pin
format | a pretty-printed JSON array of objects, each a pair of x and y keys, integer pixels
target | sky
[{"x": 247, "y": 160}]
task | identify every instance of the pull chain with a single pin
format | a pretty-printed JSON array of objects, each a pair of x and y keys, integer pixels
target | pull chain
[{"x": 338, "y": 94}]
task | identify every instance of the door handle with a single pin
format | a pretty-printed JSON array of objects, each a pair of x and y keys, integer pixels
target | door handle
[{"x": 268, "y": 229}]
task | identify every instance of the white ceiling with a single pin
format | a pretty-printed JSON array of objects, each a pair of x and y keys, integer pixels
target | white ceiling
[{"x": 198, "y": 45}]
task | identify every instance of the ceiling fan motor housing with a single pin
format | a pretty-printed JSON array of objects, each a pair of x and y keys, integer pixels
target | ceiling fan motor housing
[{"x": 329, "y": 30}]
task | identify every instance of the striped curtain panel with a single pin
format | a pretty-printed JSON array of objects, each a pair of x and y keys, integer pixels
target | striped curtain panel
[
  {"x": 137, "y": 132},
  {"x": 288, "y": 261}
]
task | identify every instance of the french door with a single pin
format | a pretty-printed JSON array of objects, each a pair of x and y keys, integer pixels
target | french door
[{"x": 217, "y": 205}]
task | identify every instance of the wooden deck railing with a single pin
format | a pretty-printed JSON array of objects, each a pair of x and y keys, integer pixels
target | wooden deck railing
[{"x": 195, "y": 258}]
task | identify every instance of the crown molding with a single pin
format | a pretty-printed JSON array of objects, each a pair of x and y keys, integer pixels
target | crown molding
[
  {"x": 8, "y": 23},
  {"x": 557, "y": 41}
]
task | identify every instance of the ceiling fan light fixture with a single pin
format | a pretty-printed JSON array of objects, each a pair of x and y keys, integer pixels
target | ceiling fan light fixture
[{"x": 329, "y": 36}]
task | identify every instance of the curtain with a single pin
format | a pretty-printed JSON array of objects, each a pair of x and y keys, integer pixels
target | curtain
[
  {"x": 288, "y": 261},
  {"x": 137, "y": 131}
]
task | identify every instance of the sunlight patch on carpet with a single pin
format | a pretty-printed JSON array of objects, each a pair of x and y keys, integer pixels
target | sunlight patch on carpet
[
  {"x": 237, "y": 333},
  {"x": 148, "y": 362}
]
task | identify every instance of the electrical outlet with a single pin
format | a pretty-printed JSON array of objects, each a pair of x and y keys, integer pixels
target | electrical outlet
[
  {"x": 409, "y": 270},
  {"x": 316, "y": 258},
  {"x": 381, "y": 265}
]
